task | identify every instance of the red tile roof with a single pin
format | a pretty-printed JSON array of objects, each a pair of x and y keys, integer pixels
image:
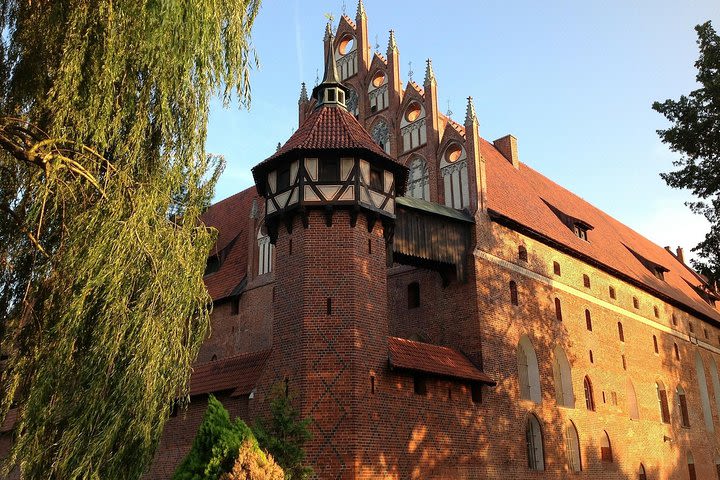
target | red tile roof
[
  {"x": 239, "y": 373},
  {"x": 330, "y": 128},
  {"x": 231, "y": 217},
  {"x": 522, "y": 196},
  {"x": 424, "y": 357}
]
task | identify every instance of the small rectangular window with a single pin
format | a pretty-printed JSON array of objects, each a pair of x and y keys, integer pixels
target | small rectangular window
[
  {"x": 376, "y": 179},
  {"x": 413, "y": 295},
  {"x": 586, "y": 281},
  {"x": 556, "y": 268},
  {"x": 329, "y": 170},
  {"x": 476, "y": 392},
  {"x": 613, "y": 398},
  {"x": 612, "y": 292},
  {"x": 420, "y": 385},
  {"x": 283, "y": 178},
  {"x": 330, "y": 94}
]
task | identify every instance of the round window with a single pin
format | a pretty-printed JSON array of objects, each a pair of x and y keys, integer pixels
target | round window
[
  {"x": 413, "y": 112},
  {"x": 346, "y": 45},
  {"x": 453, "y": 153},
  {"x": 378, "y": 79}
]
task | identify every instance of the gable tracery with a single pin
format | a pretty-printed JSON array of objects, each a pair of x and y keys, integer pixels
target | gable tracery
[
  {"x": 378, "y": 92},
  {"x": 381, "y": 134},
  {"x": 418, "y": 179},
  {"x": 346, "y": 56},
  {"x": 412, "y": 126},
  {"x": 454, "y": 171}
]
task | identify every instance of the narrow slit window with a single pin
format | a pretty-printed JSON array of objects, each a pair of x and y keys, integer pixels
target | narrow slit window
[
  {"x": 589, "y": 400},
  {"x": 329, "y": 306},
  {"x": 624, "y": 362},
  {"x": 677, "y": 351},
  {"x": 556, "y": 269},
  {"x": 655, "y": 344},
  {"x": 513, "y": 292},
  {"x": 636, "y": 302},
  {"x": 588, "y": 320},
  {"x": 558, "y": 310},
  {"x": 656, "y": 311},
  {"x": 592, "y": 361},
  {"x": 611, "y": 291},
  {"x": 621, "y": 334}
]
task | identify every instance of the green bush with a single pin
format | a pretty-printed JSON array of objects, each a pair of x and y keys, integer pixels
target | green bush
[{"x": 216, "y": 445}]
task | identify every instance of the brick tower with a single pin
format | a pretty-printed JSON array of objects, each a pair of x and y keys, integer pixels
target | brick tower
[{"x": 330, "y": 211}]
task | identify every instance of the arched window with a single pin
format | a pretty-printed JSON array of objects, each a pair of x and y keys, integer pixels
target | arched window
[
  {"x": 641, "y": 473},
  {"x": 704, "y": 397},
  {"x": 378, "y": 92},
  {"x": 412, "y": 126},
  {"x": 715, "y": 382},
  {"x": 589, "y": 399},
  {"x": 586, "y": 281},
  {"x": 632, "y": 400},
  {"x": 265, "y": 253},
  {"x": 572, "y": 442},
  {"x": 381, "y": 135},
  {"x": 528, "y": 372},
  {"x": 588, "y": 320},
  {"x": 691, "y": 466},
  {"x": 663, "y": 402},
  {"x": 621, "y": 334},
  {"x": 522, "y": 253},
  {"x": 611, "y": 291},
  {"x": 513, "y": 292},
  {"x": 558, "y": 310},
  {"x": 556, "y": 268},
  {"x": 454, "y": 172},
  {"x": 656, "y": 311},
  {"x": 682, "y": 404},
  {"x": 605, "y": 448},
  {"x": 533, "y": 437},
  {"x": 636, "y": 302},
  {"x": 418, "y": 181},
  {"x": 563, "y": 379}
]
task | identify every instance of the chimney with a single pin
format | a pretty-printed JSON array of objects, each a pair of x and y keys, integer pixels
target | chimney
[
  {"x": 507, "y": 145},
  {"x": 680, "y": 254}
]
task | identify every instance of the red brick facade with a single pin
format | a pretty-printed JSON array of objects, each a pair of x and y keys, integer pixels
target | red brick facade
[
  {"x": 373, "y": 421},
  {"x": 330, "y": 304}
]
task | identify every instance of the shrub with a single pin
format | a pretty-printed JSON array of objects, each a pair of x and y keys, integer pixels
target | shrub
[{"x": 253, "y": 464}]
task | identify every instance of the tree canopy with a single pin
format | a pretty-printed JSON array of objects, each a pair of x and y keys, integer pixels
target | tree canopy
[
  {"x": 695, "y": 134},
  {"x": 103, "y": 116}
]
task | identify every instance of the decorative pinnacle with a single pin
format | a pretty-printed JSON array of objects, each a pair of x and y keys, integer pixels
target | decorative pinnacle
[
  {"x": 360, "y": 9},
  {"x": 303, "y": 93},
  {"x": 391, "y": 43},
  {"x": 470, "y": 115},
  {"x": 429, "y": 73},
  {"x": 328, "y": 27}
]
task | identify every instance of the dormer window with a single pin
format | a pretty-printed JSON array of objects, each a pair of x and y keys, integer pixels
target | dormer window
[
  {"x": 656, "y": 269},
  {"x": 580, "y": 231},
  {"x": 213, "y": 265},
  {"x": 659, "y": 273},
  {"x": 579, "y": 227}
]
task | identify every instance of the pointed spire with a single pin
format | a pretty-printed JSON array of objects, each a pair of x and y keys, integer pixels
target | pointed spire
[
  {"x": 328, "y": 29},
  {"x": 330, "y": 91},
  {"x": 303, "y": 93},
  {"x": 470, "y": 115},
  {"x": 360, "y": 9},
  {"x": 391, "y": 43},
  {"x": 429, "y": 73}
]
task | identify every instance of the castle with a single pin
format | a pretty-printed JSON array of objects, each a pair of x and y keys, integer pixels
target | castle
[{"x": 444, "y": 311}]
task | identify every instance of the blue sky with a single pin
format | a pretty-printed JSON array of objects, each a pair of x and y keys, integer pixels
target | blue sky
[{"x": 572, "y": 80}]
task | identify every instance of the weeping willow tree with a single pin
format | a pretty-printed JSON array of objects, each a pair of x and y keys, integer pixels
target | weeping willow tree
[{"x": 103, "y": 115}]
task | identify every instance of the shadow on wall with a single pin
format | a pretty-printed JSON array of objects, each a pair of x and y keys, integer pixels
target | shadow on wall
[{"x": 443, "y": 434}]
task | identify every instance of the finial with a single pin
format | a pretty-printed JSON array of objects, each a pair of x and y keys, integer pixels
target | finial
[
  {"x": 328, "y": 26},
  {"x": 317, "y": 77},
  {"x": 470, "y": 115},
  {"x": 360, "y": 9},
  {"x": 330, "y": 91},
  {"x": 449, "y": 112},
  {"x": 303, "y": 93},
  {"x": 429, "y": 73},
  {"x": 377, "y": 45},
  {"x": 410, "y": 71},
  {"x": 391, "y": 42},
  {"x": 344, "y": 8},
  {"x": 278, "y": 147}
]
